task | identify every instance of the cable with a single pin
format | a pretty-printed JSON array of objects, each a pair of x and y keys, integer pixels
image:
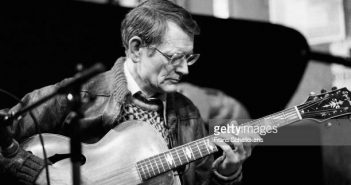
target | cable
[{"x": 36, "y": 123}]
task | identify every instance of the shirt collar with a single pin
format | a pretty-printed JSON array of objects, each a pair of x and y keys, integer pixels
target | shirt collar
[{"x": 132, "y": 86}]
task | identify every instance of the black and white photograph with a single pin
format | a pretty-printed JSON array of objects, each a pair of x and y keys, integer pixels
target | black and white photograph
[{"x": 175, "y": 92}]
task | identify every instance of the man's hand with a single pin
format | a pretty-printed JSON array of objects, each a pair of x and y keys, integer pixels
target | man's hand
[{"x": 235, "y": 152}]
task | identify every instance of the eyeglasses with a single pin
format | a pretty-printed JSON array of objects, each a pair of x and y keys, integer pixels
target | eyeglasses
[{"x": 177, "y": 58}]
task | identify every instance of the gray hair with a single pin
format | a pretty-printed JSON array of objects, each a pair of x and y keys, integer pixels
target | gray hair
[{"x": 149, "y": 22}]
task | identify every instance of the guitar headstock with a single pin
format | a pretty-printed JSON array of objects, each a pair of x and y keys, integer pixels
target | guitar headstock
[{"x": 327, "y": 105}]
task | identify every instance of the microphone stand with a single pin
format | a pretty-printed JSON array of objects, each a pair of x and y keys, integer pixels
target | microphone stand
[
  {"x": 328, "y": 58},
  {"x": 72, "y": 121},
  {"x": 10, "y": 147}
]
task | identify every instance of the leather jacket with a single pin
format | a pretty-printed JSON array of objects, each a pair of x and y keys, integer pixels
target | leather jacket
[{"x": 107, "y": 92}]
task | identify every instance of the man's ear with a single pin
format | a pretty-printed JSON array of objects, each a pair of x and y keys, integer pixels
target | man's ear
[{"x": 135, "y": 44}]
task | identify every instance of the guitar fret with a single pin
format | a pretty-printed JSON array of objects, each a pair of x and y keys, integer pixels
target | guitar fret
[
  {"x": 169, "y": 159},
  {"x": 164, "y": 159},
  {"x": 284, "y": 115},
  {"x": 277, "y": 119},
  {"x": 291, "y": 116},
  {"x": 141, "y": 171},
  {"x": 204, "y": 144},
  {"x": 203, "y": 148},
  {"x": 174, "y": 156},
  {"x": 191, "y": 151},
  {"x": 210, "y": 146},
  {"x": 297, "y": 112},
  {"x": 194, "y": 151},
  {"x": 150, "y": 167},
  {"x": 272, "y": 120},
  {"x": 147, "y": 169},
  {"x": 180, "y": 161},
  {"x": 183, "y": 156},
  {"x": 260, "y": 121},
  {"x": 288, "y": 116},
  {"x": 158, "y": 169},
  {"x": 159, "y": 156},
  {"x": 187, "y": 160},
  {"x": 198, "y": 149},
  {"x": 153, "y": 170}
]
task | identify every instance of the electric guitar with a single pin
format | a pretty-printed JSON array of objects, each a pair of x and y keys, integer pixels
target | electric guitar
[{"x": 135, "y": 153}]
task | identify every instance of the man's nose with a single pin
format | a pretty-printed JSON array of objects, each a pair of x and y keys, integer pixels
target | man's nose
[{"x": 183, "y": 68}]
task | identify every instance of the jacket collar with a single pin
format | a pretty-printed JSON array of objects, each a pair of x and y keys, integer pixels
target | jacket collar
[
  {"x": 110, "y": 83},
  {"x": 119, "y": 81}
]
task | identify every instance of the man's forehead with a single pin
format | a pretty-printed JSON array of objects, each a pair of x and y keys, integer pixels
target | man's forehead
[{"x": 177, "y": 38}]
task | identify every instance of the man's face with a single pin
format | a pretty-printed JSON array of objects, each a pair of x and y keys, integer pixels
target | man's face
[{"x": 156, "y": 71}]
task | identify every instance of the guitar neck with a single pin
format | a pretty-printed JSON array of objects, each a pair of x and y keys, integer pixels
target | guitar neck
[
  {"x": 197, "y": 149},
  {"x": 278, "y": 119}
]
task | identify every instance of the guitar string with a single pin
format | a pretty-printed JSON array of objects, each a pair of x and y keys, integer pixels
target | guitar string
[
  {"x": 182, "y": 157},
  {"x": 287, "y": 115},
  {"x": 310, "y": 104},
  {"x": 153, "y": 159},
  {"x": 304, "y": 106},
  {"x": 108, "y": 178},
  {"x": 112, "y": 179},
  {"x": 307, "y": 105},
  {"x": 203, "y": 149},
  {"x": 155, "y": 162}
]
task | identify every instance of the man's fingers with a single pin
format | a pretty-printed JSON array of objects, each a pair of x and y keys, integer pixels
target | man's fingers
[{"x": 232, "y": 150}]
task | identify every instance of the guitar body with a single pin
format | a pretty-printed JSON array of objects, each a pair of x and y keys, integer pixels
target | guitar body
[{"x": 113, "y": 159}]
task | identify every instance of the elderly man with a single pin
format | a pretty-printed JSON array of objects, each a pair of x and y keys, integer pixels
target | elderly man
[{"x": 158, "y": 37}]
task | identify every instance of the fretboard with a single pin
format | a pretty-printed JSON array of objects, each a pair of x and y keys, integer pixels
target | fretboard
[{"x": 194, "y": 150}]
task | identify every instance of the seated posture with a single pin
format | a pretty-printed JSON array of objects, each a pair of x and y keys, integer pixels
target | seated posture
[{"x": 158, "y": 37}]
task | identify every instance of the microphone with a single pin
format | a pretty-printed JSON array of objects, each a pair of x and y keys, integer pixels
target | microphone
[
  {"x": 81, "y": 77},
  {"x": 78, "y": 79},
  {"x": 9, "y": 146}
]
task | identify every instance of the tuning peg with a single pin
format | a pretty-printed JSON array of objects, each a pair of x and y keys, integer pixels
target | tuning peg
[
  {"x": 334, "y": 88},
  {"x": 312, "y": 93},
  {"x": 323, "y": 91}
]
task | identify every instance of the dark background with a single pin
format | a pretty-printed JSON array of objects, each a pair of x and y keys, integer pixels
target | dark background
[{"x": 259, "y": 64}]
